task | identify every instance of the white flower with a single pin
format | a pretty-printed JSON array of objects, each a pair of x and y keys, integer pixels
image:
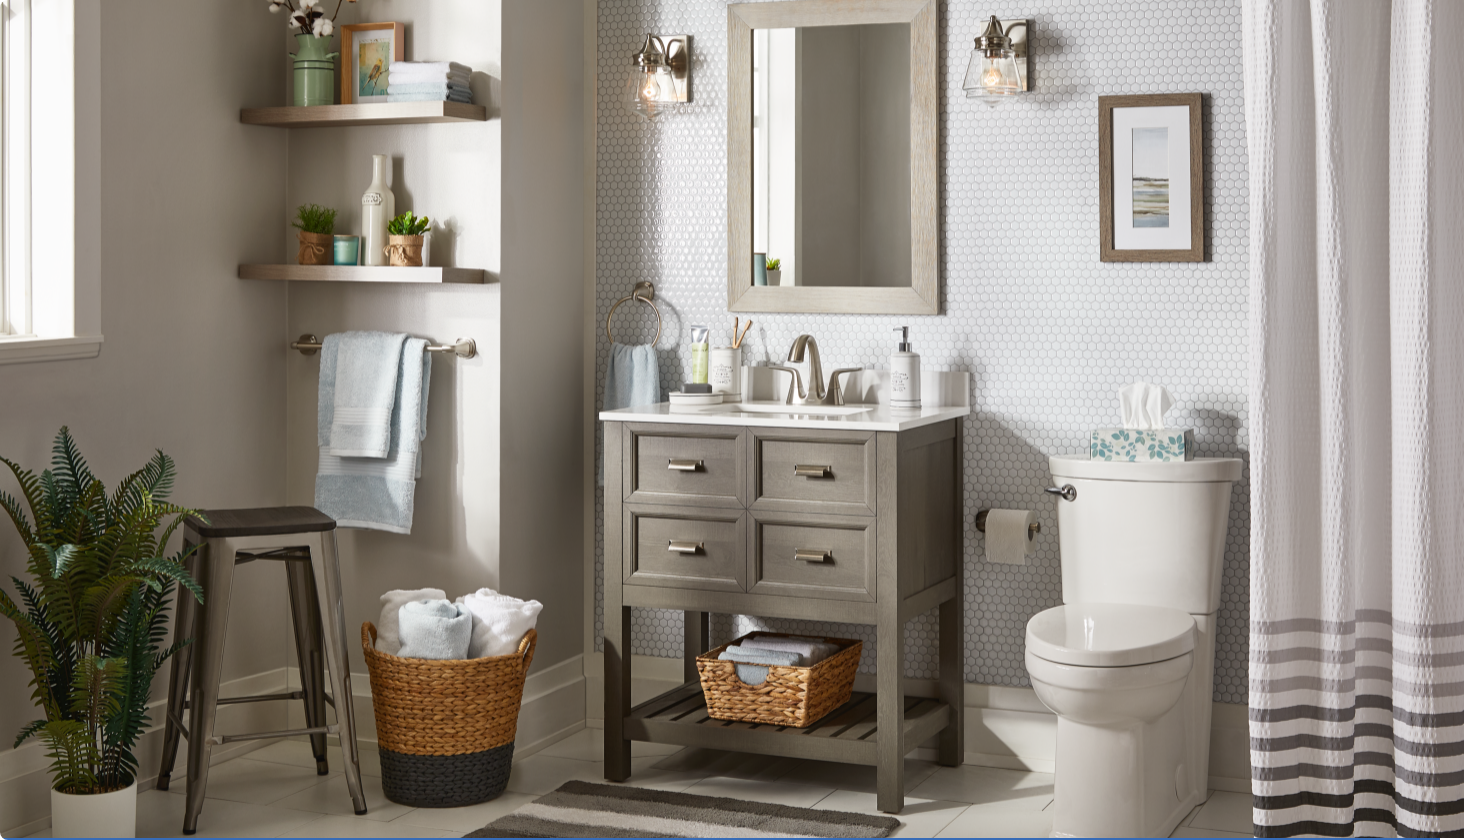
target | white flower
[
  {"x": 323, "y": 27},
  {"x": 307, "y": 5},
  {"x": 297, "y": 20},
  {"x": 275, "y": 6}
]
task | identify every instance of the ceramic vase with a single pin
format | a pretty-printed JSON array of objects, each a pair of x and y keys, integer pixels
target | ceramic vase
[
  {"x": 95, "y": 815},
  {"x": 759, "y": 269},
  {"x": 378, "y": 205},
  {"x": 315, "y": 248},
  {"x": 314, "y": 71},
  {"x": 405, "y": 250}
]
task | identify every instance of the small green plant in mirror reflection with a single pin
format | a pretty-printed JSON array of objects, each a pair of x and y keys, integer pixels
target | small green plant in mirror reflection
[
  {"x": 775, "y": 264},
  {"x": 312, "y": 218},
  {"x": 407, "y": 224}
]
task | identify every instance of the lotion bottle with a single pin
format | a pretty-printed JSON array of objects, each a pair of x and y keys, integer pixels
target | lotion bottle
[{"x": 904, "y": 373}]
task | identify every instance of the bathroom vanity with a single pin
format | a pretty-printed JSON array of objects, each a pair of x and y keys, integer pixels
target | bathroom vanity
[{"x": 824, "y": 513}]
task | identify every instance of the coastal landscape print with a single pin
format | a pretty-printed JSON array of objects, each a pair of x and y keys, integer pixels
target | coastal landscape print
[{"x": 1151, "y": 177}]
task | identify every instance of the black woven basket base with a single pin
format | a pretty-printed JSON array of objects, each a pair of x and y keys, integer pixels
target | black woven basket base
[{"x": 445, "y": 781}]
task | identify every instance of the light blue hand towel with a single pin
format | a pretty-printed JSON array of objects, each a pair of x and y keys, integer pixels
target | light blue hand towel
[
  {"x": 364, "y": 388},
  {"x": 812, "y": 651},
  {"x": 378, "y": 493},
  {"x": 463, "y": 96},
  {"x": 757, "y": 673},
  {"x": 434, "y": 629},
  {"x": 632, "y": 377},
  {"x": 439, "y": 88}
]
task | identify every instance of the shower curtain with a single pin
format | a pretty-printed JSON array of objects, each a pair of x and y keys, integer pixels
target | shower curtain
[{"x": 1355, "y": 127}]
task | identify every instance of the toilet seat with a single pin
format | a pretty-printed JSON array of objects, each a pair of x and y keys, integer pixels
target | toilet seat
[{"x": 1110, "y": 635}]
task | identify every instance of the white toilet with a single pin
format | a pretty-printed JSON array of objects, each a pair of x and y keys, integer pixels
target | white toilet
[{"x": 1127, "y": 663}]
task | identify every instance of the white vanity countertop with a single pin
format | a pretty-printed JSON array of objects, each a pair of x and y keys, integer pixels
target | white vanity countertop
[{"x": 879, "y": 417}]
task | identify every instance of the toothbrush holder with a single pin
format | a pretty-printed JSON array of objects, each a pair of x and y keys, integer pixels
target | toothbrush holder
[{"x": 725, "y": 374}]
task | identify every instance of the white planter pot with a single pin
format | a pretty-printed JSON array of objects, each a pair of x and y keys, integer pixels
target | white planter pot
[{"x": 97, "y": 815}]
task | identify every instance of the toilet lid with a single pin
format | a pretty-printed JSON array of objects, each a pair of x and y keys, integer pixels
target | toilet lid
[{"x": 1110, "y": 635}]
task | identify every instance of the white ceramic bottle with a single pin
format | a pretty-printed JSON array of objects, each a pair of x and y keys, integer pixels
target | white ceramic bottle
[
  {"x": 378, "y": 205},
  {"x": 904, "y": 373}
]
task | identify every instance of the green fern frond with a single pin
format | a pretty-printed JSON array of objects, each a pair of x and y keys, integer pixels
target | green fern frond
[
  {"x": 27, "y": 731},
  {"x": 68, "y": 464},
  {"x": 73, "y": 753}
]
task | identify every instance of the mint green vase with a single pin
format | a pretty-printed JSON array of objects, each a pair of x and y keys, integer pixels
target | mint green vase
[{"x": 314, "y": 71}]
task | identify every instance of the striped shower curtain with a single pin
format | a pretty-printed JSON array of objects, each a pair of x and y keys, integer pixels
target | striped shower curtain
[{"x": 1355, "y": 122}]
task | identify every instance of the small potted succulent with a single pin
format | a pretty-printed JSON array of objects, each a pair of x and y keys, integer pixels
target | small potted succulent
[
  {"x": 775, "y": 272},
  {"x": 405, "y": 238},
  {"x": 317, "y": 234}
]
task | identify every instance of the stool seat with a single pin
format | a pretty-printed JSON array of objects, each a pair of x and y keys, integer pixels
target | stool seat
[{"x": 260, "y": 522}]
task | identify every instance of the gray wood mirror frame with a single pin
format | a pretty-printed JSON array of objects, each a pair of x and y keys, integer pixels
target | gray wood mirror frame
[{"x": 919, "y": 293}]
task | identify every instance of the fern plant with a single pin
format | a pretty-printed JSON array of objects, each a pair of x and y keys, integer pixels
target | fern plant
[
  {"x": 95, "y": 611},
  {"x": 407, "y": 224},
  {"x": 312, "y": 218}
]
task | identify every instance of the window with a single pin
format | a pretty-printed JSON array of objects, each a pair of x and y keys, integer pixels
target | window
[{"x": 14, "y": 170}]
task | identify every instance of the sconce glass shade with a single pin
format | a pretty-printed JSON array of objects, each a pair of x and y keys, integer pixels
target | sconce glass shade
[
  {"x": 651, "y": 87},
  {"x": 992, "y": 74}
]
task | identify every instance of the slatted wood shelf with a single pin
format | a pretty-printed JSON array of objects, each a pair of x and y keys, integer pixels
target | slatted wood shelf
[
  {"x": 376, "y": 113},
  {"x": 362, "y": 273},
  {"x": 849, "y": 733}
]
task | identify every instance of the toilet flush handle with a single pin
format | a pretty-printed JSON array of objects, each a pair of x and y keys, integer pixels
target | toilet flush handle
[{"x": 1067, "y": 491}]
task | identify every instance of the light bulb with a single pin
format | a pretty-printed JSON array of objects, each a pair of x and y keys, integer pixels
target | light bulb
[
  {"x": 650, "y": 91},
  {"x": 991, "y": 78}
]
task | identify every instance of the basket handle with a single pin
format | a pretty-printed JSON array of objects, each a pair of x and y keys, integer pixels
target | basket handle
[
  {"x": 526, "y": 647},
  {"x": 368, "y": 635}
]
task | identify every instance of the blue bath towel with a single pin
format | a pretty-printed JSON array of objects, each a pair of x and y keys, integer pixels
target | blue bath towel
[
  {"x": 757, "y": 672},
  {"x": 378, "y": 493},
  {"x": 434, "y": 629},
  {"x": 362, "y": 393}
]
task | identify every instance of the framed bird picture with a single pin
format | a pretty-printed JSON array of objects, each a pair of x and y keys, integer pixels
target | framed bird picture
[{"x": 367, "y": 53}]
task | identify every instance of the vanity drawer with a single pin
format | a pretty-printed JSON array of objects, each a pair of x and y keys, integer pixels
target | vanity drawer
[
  {"x": 686, "y": 465},
  {"x": 829, "y": 557},
  {"x": 685, "y": 549},
  {"x": 813, "y": 471}
]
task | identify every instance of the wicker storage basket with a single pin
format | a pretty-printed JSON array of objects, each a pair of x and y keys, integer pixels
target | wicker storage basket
[
  {"x": 445, "y": 727},
  {"x": 790, "y": 696}
]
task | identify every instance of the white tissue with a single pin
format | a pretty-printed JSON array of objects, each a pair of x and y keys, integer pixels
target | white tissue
[{"x": 1143, "y": 405}]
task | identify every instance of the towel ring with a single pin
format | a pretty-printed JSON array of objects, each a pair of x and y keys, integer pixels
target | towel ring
[{"x": 644, "y": 292}]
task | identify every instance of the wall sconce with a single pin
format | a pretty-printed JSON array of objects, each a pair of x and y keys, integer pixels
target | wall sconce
[
  {"x": 998, "y": 69},
  {"x": 660, "y": 75}
]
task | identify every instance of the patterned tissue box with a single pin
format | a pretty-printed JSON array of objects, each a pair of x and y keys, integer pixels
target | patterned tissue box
[{"x": 1142, "y": 445}]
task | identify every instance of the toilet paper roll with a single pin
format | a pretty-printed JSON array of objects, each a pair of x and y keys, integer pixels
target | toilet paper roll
[{"x": 1008, "y": 536}]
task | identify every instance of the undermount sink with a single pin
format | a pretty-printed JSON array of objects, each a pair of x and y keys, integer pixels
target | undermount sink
[{"x": 803, "y": 410}]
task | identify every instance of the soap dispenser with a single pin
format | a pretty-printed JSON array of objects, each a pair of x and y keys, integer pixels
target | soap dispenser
[{"x": 904, "y": 373}]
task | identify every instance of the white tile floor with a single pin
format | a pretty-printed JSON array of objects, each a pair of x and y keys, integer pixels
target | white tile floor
[{"x": 274, "y": 792}]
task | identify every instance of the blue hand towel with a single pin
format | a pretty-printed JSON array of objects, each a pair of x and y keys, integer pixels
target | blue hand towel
[
  {"x": 757, "y": 673},
  {"x": 813, "y": 651},
  {"x": 363, "y": 393},
  {"x": 434, "y": 629},
  {"x": 632, "y": 377},
  {"x": 378, "y": 493},
  {"x": 439, "y": 88},
  {"x": 463, "y": 96}
]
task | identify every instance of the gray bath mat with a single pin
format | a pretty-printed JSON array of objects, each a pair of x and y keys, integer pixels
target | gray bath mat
[{"x": 581, "y": 809}]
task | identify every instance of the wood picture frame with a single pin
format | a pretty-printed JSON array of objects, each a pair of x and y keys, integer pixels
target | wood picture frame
[
  {"x": 1135, "y": 223},
  {"x": 350, "y": 57}
]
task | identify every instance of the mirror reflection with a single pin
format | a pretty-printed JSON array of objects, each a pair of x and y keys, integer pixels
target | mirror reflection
[{"x": 831, "y": 154}]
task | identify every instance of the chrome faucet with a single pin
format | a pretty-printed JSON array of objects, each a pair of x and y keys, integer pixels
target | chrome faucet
[{"x": 817, "y": 393}]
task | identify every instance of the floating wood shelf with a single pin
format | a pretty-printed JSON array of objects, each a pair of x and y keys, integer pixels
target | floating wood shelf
[
  {"x": 384, "y": 113},
  {"x": 362, "y": 273}
]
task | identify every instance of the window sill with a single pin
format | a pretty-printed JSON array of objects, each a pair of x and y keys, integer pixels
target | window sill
[{"x": 20, "y": 349}]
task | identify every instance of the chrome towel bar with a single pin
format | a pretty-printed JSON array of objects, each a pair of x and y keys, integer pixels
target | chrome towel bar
[{"x": 463, "y": 348}]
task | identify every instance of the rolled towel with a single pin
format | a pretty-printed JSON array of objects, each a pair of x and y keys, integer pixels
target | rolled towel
[
  {"x": 814, "y": 651},
  {"x": 435, "y": 629},
  {"x": 499, "y": 622},
  {"x": 388, "y": 639},
  {"x": 756, "y": 673}
]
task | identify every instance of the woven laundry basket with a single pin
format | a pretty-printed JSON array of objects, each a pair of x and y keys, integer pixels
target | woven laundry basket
[
  {"x": 445, "y": 727},
  {"x": 790, "y": 696}
]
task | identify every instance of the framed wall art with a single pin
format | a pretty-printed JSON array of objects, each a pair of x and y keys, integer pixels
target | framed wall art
[
  {"x": 1151, "y": 176},
  {"x": 367, "y": 53}
]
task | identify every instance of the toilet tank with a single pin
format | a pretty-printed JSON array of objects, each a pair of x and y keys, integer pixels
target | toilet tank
[{"x": 1144, "y": 532}]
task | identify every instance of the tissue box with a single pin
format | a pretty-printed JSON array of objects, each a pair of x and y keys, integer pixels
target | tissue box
[{"x": 1142, "y": 445}]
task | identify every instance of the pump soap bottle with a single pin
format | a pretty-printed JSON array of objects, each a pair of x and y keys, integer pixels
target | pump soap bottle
[{"x": 904, "y": 373}]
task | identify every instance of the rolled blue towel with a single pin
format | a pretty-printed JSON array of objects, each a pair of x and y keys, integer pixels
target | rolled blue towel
[
  {"x": 756, "y": 673},
  {"x": 434, "y": 629}
]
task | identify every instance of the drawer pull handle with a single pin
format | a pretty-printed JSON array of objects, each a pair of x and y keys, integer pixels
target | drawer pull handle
[
  {"x": 812, "y": 555},
  {"x": 812, "y": 470},
  {"x": 684, "y": 464},
  {"x": 685, "y": 546}
]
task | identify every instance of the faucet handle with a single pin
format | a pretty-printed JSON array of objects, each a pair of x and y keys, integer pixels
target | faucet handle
[
  {"x": 796, "y": 381},
  {"x": 835, "y": 395}
]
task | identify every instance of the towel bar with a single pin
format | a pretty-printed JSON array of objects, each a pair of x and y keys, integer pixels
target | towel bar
[{"x": 464, "y": 348}]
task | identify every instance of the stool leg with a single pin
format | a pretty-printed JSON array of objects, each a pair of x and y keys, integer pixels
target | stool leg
[
  {"x": 208, "y": 644},
  {"x": 328, "y": 581},
  {"x": 305, "y": 610},
  {"x": 185, "y": 607}
]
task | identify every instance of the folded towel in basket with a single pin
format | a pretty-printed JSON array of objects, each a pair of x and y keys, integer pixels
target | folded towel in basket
[
  {"x": 434, "y": 629},
  {"x": 756, "y": 672},
  {"x": 499, "y": 622},
  {"x": 388, "y": 639},
  {"x": 813, "y": 650}
]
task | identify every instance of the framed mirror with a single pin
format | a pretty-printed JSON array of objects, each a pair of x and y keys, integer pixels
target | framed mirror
[{"x": 831, "y": 157}]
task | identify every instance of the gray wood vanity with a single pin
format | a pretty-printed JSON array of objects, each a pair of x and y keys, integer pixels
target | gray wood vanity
[{"x": 704, "y": 513}]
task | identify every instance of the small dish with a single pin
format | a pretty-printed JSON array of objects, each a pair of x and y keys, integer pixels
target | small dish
[{"x": 678, "y": 398}]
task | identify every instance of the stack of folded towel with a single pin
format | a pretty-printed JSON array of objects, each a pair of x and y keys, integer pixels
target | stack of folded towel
[
  {"x": 423, "y": 624},
  {"x": 429, "y": 81},
  {"x": 761, "y": 651}
]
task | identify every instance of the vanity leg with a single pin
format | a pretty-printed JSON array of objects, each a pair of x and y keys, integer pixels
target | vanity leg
[
  {"x": 951, "y": 746},
  {"x": 617, "y": 690},
  {"x": 698, "y": 632},
  {"x": 890, "y": 682}
]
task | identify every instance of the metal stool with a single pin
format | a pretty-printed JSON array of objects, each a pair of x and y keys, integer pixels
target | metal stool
[{"x": 304, "y": 539}]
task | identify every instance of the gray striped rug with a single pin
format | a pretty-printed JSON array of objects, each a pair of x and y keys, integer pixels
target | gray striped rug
[{"x": 581, "y": 809}]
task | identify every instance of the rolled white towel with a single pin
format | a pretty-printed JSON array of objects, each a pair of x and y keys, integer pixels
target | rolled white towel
[
  {"x": 388, "y": 639},
  {"x": 499, "y": 622},
  {"x": 435, "y": 629},
  {"x": 813, "y": 650}
]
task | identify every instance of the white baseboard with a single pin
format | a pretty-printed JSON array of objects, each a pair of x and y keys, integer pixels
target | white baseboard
[{"x": 1006, "y": 727}]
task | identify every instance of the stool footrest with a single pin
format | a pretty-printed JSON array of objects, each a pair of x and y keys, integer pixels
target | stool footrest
[
  {"x": 254, "y": 698},
  {"x": 329, "y": 729}
]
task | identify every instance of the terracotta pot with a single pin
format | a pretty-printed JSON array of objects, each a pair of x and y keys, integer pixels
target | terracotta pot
[
  {"x": 404, "y": 250},
  {"x": 315, "y": 248}
]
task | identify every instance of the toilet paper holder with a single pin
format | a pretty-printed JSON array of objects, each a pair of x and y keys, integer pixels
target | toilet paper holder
[{"x": 1032, "y": 530}]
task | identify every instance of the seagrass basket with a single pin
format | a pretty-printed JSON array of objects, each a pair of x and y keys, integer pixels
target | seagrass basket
[
  {"x": 791, "y": 696},
  {"x": 445, "y": 727}
]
